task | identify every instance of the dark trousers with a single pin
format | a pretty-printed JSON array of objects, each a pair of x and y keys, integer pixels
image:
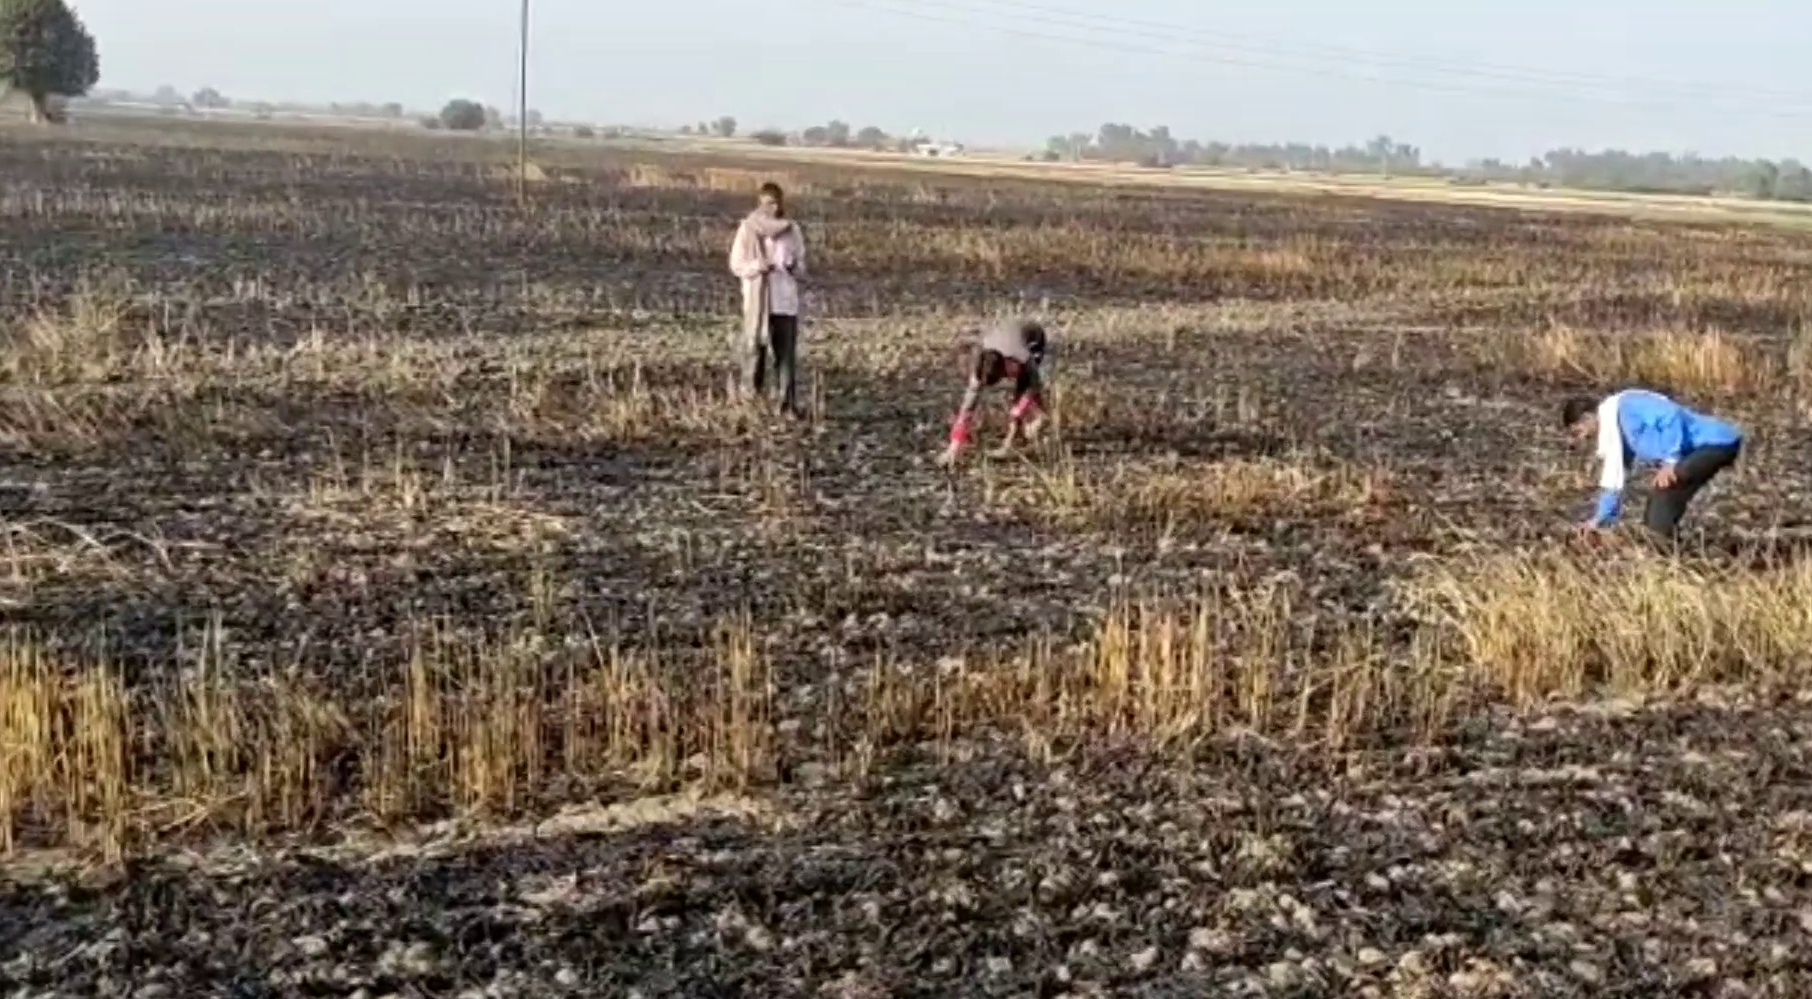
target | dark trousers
[
  {"x": 1667, "y": 506},
  {"x": 783, "y": 344}
]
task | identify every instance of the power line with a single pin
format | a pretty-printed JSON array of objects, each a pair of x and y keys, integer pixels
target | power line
[
  {"x": 522, "y": 114},
  {"x": 1253, "y": 44},
  {"x": 1319, "y": 69}
]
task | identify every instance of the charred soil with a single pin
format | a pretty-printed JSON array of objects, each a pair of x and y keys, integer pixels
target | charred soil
[{"x": 343, "y": 497}]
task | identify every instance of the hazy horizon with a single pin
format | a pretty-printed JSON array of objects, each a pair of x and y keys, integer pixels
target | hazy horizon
[{"x": 1461, "y": 85}]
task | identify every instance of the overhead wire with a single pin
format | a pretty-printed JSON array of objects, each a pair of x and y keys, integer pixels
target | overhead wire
[
  {"x": 1112, "y": 34},
  {"x": 1253, "y": 44}
]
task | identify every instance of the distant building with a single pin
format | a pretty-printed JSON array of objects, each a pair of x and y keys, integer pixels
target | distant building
[{"x": 929, "y": 148}]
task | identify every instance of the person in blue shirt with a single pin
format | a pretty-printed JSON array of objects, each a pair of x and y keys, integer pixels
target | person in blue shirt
[{"x": 1639, "y": 425}]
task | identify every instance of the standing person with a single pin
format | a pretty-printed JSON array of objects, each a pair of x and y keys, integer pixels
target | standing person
[
  {"x": 1639, "y": 425},
  {"x": 768, "y": 254},
  {"x": 1012, "y": 350}
]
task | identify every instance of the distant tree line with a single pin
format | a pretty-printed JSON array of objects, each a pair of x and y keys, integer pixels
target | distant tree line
[
  {"x": 724, "y": 128},
  {"x": 69, "y": 68},
  {"x": 1607, "y": 170},
  {"x": 210, "y": 99},
  {"x": 1657, "y": 173},
  {"x": 1122, "y": 143},
  {"x": 457, "y": 115},
  {"x": 833, "y": 134}
]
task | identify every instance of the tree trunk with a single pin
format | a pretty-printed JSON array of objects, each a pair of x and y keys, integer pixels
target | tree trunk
[{"x": 40, "y": 107}]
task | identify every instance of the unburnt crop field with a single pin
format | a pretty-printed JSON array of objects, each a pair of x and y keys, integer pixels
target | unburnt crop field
[{"x": 396, "y": 601}]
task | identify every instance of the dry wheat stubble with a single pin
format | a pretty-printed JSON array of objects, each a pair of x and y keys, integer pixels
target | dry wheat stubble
[{"x": 1258, "y": 397}]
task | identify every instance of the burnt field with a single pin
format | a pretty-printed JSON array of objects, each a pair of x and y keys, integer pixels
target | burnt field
[{"x": 397, "y": 603}]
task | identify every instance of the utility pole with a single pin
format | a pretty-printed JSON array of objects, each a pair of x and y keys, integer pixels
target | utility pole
[{"x": 522, "y": 116}]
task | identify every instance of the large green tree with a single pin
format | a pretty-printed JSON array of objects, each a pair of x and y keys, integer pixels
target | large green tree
[{"x": 45, "y": 50}]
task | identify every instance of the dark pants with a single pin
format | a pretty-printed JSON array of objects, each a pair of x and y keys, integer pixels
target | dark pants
[
  {"x": 991, "y": 369},
  {"x": 783, "y": 343},
  {"x": 1667, "y": 506}
]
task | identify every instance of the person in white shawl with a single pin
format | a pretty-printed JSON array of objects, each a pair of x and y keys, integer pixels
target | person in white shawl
[{"x": 768, "y": 255}]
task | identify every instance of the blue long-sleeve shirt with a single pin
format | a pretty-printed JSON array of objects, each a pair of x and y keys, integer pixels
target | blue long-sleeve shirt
[{"x": 1638, "y": 425}]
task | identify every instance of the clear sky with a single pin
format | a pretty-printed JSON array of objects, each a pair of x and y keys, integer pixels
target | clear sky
[{"x": 1459, "y": 78}]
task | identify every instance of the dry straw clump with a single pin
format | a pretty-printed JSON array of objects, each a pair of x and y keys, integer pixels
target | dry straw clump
[
  {"x": 498, "y": 724},
  {"x": 620, "y": 405},
  {"x": 1693, "y": 361},
  {"x": 487, "y": 724},
  {"x": 1799, "y": 365},
  {"x": 1521, "y": 631},
  {"x": 76, "y": 375},
  {"x": 1552, "y": 625},
  {"x": 64, "y": 753},
  {"x": 1137, "y": 493},
  {"x": 1246, "y": 487},
  {"x": 86, "y": 343},
  {"x": 1173, "y": 673},
  {"x": 730, "y": 180}
]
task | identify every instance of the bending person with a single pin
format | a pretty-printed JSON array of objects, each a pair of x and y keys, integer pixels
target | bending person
[
  {"x": 1011, "y": 350},
  {"x": 1642, "y": 426}
]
